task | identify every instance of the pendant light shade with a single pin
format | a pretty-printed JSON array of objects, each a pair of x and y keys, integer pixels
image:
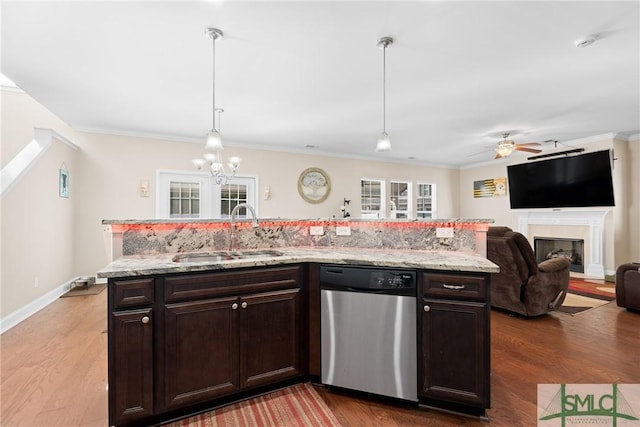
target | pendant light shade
[
  {"x": 214, "y": 141},
  {"x": 384, "y": 142}
]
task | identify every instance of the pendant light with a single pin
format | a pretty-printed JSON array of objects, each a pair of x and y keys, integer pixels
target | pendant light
[
  {"x": 384, "y": 142},
  {"x": 213, "y": 146},
  {"x": 214, "y": 141}
]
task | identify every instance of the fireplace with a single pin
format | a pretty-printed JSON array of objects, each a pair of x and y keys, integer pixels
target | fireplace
[
  {"x": 554, "y": 247},
  {"x": 565, "y": 221}
]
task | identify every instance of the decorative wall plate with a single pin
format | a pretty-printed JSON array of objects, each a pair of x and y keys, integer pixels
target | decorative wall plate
[{"x": 314, "y": 185}]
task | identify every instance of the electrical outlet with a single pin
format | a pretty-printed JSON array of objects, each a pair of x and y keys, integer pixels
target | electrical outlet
[
  {"x": 35, "y": 282},
  {"x": 343, "y": 230},
  {"x": 444, "y": 232},
  {"x": 316, "y": 230}
]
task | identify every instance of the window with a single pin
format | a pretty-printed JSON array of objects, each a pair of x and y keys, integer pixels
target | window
[
  {"x": 195, "y": 195},
  {"x": 426, "y": 201},
  {"x": 184, "y": 199},
  {"x": 372, "y": 198},
  {"x": 401, "y": 201},
  {"x": 232, "y": 195}
]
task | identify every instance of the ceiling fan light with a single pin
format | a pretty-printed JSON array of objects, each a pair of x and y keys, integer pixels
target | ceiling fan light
[
  {"x": 384, "y": 143},
  {"x": 504, "y": 150}
]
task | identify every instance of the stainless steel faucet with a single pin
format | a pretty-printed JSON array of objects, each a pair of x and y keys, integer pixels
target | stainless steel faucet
[{"x": 232, "y": 219}]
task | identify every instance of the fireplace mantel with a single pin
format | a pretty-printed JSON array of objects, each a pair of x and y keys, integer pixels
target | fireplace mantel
[{"x": 593, "y": 219}]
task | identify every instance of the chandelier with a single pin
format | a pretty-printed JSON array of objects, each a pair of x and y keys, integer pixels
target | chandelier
[{"x": 213, "y": 147}]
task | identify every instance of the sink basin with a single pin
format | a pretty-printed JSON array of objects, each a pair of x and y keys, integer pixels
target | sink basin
[
  {"x": 267, "y": 253},
  {"x": 204, "y": 257},
  {"x": 225, "y": 256}
]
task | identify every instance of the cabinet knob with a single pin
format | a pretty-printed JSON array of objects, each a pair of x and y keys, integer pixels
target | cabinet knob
[
  {"x": 145, "y": 319},
  {"x": 427, "y": 308},
  {"x": 234, "y": 306},
  {"x": 244, "y": 304}
]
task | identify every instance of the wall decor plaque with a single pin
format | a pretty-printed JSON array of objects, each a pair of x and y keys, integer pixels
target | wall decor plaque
[{"x": 314, "y": 185}]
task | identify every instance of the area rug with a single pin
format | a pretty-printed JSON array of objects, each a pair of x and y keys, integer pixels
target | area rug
[
  {"x": 598, "y": 289},
  {"x": 576, "y": 304},
  {"x": 296, "y": 406}
]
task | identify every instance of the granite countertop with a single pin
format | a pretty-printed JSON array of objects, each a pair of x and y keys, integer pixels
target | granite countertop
[{"x": 141, "y": 265}]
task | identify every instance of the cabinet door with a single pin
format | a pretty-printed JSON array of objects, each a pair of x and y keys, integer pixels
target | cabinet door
[
  {"x": 131, "y": 362},
  {"x": 201, "y": 351},
  {"x": 454, "y": 361},
  {"x": 270, "y": 337}
]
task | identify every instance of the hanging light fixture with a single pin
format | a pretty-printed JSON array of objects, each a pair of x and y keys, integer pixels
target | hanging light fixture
[
  {"x": 213, "y": 146},
  {"x": 384, "y": 142}
]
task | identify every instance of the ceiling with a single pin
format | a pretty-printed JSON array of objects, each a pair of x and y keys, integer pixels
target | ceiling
[{"x": 307, "y": 76}]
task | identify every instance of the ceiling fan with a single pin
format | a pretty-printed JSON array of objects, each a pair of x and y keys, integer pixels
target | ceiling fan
[{"x": 505, "y": 147}]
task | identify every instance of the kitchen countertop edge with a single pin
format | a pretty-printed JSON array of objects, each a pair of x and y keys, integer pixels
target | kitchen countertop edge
[{"x": 145, "y": 265}]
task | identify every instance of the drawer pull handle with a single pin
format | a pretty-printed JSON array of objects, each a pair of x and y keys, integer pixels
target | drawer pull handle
[
  {"x": 234, "y": 306},
  {"x": 145, "y": 319},
  {"x": 244, "y": 305},
  {"x": 453, "y": 287},
  {"x": 427, "y": 308}
]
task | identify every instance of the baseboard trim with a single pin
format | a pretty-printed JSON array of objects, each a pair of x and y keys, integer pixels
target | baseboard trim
[{"x": 34, "y": 306}]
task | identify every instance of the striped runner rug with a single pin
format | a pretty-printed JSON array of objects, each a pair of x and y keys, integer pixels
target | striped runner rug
[{"x": 295, "y": 406}]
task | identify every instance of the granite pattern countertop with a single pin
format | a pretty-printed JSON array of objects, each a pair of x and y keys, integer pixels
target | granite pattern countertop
[{"x": 142, "y": 265}]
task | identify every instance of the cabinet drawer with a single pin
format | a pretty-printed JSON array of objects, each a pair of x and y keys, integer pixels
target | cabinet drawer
[
  {"x": 137, "y": 292},
  {"x": 455, "y": 286},
  {"x": 209, "y": 285}
]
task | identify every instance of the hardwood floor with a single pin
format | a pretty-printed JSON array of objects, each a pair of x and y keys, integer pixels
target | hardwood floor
[{"x": 54, "y": 367}]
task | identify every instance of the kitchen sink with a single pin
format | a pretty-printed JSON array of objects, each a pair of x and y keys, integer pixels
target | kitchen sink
[
  {"x": 257, "y": 254},
  {"x": 203, "y": 257},
  {"x": 224, "y": 256}
]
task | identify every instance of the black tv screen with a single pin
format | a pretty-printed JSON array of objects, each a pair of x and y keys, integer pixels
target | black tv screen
[{"x": 575, "y": 181}]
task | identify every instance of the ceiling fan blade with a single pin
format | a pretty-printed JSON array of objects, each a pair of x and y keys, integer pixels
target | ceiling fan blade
[
  {"x": 530, "y": 150},
  {"x": 530, "y": 143}
]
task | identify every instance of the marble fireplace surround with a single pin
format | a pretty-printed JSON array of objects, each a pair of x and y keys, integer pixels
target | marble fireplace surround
[{"x": 592, "y": 220}]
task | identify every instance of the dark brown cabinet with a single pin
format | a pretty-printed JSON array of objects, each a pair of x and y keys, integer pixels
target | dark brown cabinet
[
  {"x": 131, "y": 350},
  {"x": 222, "y": 346},
  {"x": 213, "y": 335},
  {"x": 454, "y": 343}
]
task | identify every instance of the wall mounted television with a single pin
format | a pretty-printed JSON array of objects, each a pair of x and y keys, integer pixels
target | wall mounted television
[{"x": 574, "y": 181}]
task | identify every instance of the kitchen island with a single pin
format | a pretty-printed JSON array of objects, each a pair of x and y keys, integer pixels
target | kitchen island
[{"x": 190, "y": 333}]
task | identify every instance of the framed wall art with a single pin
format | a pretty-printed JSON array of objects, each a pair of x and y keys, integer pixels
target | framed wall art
[
  {"x": 314, "y": 185},
  {"x": 63, "y": 183}
]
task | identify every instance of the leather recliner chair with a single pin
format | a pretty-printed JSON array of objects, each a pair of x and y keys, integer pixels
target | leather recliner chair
[
  {"x": 628, "y": 286},
  {"x": 523, "y": 286}
]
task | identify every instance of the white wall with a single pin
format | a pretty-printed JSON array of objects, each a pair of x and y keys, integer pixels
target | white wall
[{"x": 38, "y": 226}]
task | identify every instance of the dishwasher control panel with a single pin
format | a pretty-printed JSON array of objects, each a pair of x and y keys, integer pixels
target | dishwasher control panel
[
  {"x": 382, "y": 279},
  {"x": 363, "y": 279}
]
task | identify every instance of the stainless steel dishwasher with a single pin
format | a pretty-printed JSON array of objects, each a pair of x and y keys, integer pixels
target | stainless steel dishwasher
[{"x": 368, "y": 325}]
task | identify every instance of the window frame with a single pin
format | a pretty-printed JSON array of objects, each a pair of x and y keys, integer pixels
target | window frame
[
  {"x": 433, "y": 211},
  {"x": 409, "y": 199},
  {"x": 210, "y": 192},
  {"x": 372, "y": 214}
]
